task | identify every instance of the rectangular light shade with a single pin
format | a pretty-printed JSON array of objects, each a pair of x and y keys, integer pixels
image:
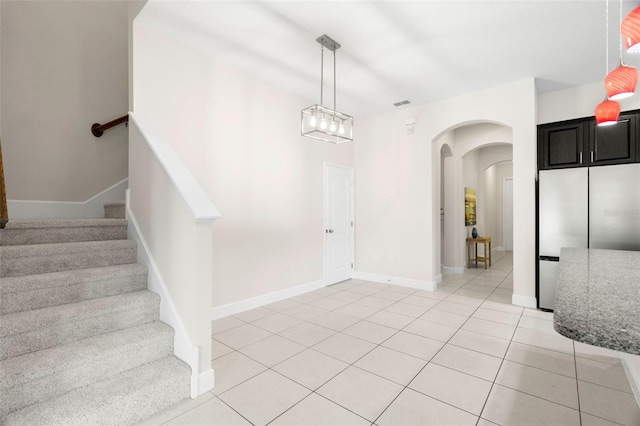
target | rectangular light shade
[{"x": 327, "y": 125}]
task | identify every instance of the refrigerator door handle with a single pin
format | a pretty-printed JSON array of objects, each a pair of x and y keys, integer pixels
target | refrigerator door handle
[
  {"x": 550, "y": 258},
  {"x": 580, "y": 157}
]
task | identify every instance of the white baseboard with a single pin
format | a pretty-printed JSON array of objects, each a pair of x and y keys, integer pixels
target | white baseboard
[
  {"x": 265, "y": 299},
  {"x": 453, "y": 270},
  {"x": 499, "y": 248},
  {"x": 93, "y": 208},
  {"x": 206, "y": 382},
  {"x": 182, "y": 346},
  {"x": 631, "y": 364},
  {"x": 404, "y": 282},
  {"x": 526, "y": 301}
]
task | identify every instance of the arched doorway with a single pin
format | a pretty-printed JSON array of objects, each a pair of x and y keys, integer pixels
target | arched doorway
[{"x": 464, "y": 153}]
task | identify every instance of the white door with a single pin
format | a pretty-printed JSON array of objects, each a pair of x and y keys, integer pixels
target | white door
[
  {"x": 507, "y": 216},
  {"x": 338, "y": 223}
]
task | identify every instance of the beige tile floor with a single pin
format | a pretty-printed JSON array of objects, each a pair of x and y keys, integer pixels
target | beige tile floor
[{"x": 364, "y": 353}]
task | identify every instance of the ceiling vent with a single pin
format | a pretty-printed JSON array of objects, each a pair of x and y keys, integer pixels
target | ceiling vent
[{"x": 400, "y": 103}]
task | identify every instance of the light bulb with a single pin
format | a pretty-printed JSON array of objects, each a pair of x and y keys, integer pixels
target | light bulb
[
  {"x": 323, "y": 122},
  {"x": 332, "y": 126},
  {"x": 341, "y": 128},
  {"x": 312, "y": 121}
]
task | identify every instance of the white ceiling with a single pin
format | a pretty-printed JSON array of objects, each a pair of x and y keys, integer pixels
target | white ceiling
[{"x": 395, "y": 50}]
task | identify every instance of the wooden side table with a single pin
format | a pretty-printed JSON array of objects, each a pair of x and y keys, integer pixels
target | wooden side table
[{"x": 487, "y": 251}]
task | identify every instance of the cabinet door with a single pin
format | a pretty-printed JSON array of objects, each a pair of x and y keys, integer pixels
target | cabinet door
[
  {"x": 614, "y": 144},
  {"x": 561, "y": 145}
]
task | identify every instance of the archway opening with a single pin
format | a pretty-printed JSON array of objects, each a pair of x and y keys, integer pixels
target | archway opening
[{"x": 477, "y": 156}]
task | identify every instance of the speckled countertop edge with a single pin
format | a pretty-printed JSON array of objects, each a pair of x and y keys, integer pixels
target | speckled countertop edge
[{"x": 598, "y": 298}]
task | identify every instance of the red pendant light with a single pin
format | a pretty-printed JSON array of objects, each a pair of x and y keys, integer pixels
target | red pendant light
[
  {"x": 607, "y": 113},
  {"x": 630, "y": 31},
  {"x": 621, "y": 82}
]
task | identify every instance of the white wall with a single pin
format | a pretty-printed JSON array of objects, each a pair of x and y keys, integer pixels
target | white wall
[
  {"x": 135, "y": 6},
  {"x": 407, "y": 166},
  {"x": 449, "y": 175},
  {"x": 503, "y": 171},
  {"x": 485, "y": 170},
  {"x": 494, "y": 208},
  {"x": 63, "y": 68},
  {"x": 392, "y": 214},
  {"x": 494, "y": 154},
  {"x": 576, "y": 102},
  {"x": 490, "y": 205},
  {"x": 241, "y": 139}
]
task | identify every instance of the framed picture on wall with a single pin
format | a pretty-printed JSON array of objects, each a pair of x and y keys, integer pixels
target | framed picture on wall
[{"x": 469, "y": 206}]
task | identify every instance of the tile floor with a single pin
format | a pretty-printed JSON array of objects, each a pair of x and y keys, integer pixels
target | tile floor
[{"x": 364, "y": 353}]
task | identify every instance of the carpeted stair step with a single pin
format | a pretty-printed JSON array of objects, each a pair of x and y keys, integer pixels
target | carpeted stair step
[
  {"x": 23, "y": 232},
  {"x": 114, "y": 210},
  {"x": 28, "y": 292},
  {"x": 38, "y": 376},
  {"x": 121, "y": 400},
  {"x": 29, "y": 331},
  {"x": 45, "y": 258}
]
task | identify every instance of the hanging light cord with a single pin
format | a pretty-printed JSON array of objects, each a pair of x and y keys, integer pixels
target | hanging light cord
[
  {"x": 334, "y": 80},
  {"x": 322, "y": 73},
  {"x": 606, "y": 71},
  {"x": 620, "y": 38}
]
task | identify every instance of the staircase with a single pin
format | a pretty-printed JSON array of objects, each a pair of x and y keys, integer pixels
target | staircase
[{"x": 80, "y": 339}]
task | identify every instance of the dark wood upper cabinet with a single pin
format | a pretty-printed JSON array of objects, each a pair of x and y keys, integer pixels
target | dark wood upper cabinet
[
  {"x": 561, "y": 145},
  {"x": 580, "y": 143},
  {"x": 614, "y": 144}
]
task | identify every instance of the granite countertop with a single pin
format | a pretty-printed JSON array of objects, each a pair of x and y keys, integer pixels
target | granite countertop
[{"x": 598, "y": 298}]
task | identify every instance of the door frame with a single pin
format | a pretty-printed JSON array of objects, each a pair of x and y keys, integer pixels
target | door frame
[
  {"x": 325, "y": 216},
  {"x": 504, "y": 211}
]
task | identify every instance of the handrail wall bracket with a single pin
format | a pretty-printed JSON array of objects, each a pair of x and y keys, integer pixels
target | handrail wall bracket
[{"x": 98, "y": 129}]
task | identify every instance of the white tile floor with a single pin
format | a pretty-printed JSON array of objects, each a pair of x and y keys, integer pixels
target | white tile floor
[{"x": 363, "y": 353}]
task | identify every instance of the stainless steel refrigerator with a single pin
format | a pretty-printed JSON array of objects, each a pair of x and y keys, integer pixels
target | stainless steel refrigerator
[{"x": 594, "y": 207}]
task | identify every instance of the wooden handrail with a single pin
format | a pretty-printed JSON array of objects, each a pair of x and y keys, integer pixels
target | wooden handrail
[
  {"x": 4, "y": 213},
  {"x": 98, "y": 129}
]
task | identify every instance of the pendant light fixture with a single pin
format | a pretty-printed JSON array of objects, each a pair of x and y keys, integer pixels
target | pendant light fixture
[
  {"x": 630, "y": 31},
  {"x": 607, "y": 112},
  {"x": 320, "y": 122},
  {"x": 622, "y": 81}
]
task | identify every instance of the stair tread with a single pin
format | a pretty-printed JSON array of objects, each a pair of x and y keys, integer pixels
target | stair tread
[
  {"x": 24, "y": 368},
  {"x": 20, "y": 322},
  {"x": 121, "y": 400},
  {"x": 62, "y": 223},
  {"x": 64, "y": 248},
  {"x": 67, "y": 278}
]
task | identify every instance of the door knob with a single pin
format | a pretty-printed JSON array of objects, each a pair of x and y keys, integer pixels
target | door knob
[{"x": 328, "y": 231}]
